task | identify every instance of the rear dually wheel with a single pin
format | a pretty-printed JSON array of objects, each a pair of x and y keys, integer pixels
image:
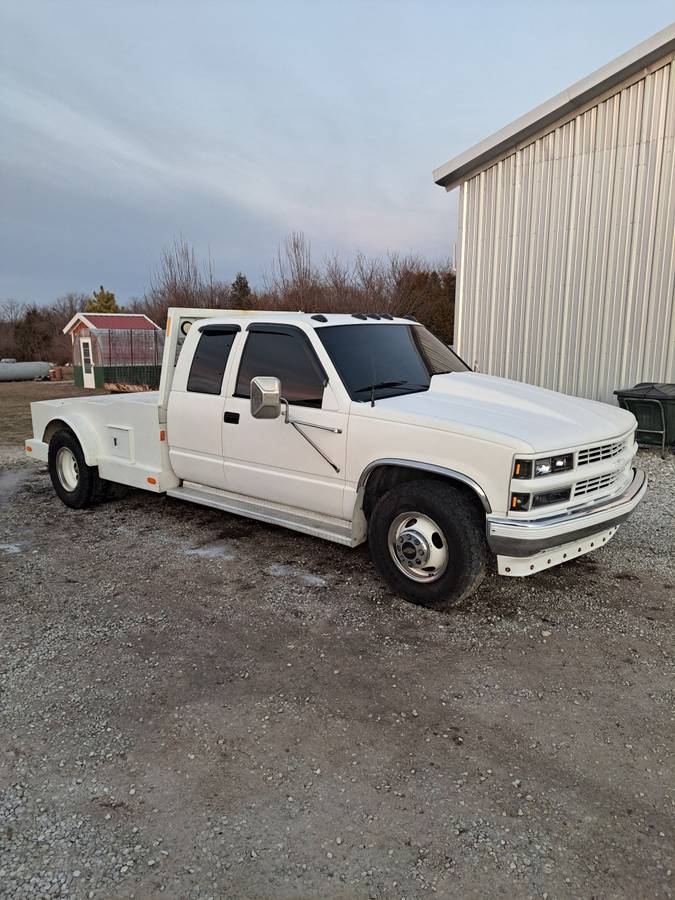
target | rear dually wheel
[{"x": 76, "y": 484}]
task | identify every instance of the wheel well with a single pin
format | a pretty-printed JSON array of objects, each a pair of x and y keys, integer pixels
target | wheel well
[
  {"x": 384, "y": 478},
  {"x": 54, "y": 426}
]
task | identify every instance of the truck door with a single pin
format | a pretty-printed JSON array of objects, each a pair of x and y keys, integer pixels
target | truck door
[
  {"x": 196, "y": 406},
  {"x": 269, "y": 459}
]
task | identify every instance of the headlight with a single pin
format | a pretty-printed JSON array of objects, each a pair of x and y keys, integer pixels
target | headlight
[
  {"x": 543, "y": 467},
  {"x": 547, "y": 465}
]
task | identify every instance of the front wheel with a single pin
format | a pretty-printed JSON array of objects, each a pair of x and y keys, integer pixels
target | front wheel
[{"x": 427, "y": 541}]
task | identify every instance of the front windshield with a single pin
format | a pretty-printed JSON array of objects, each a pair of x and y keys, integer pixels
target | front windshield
[{"x": 387, "y": 360}]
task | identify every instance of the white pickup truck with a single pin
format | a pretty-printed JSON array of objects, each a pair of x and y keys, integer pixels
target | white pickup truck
[{"x": 354, "y": 428}]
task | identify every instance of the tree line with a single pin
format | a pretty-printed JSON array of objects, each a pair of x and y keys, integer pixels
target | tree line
[{"x": 394, "y": 284}]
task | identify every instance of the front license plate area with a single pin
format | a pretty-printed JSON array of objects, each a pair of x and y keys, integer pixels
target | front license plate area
[{"x": 519, "y": 566}]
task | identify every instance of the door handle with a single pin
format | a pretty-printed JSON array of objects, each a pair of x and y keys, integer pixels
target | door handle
[{"x": 231, "y": 418}]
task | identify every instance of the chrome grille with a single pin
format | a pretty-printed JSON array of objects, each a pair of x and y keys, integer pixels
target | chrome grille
[
  {"x": 590, "y": 485},
  {"x": 597, "y": 454}
]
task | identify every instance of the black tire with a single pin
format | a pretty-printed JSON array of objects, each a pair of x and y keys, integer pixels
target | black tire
[
  {"x": 85, "y": 488},
  {"x": 461, "y": 529},
  {"x": 112, "y": 490}
]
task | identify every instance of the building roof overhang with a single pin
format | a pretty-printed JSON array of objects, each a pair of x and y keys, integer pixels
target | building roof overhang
[
  {"x": 623, "y": 67},
  {"x": 124, "y": 321}
]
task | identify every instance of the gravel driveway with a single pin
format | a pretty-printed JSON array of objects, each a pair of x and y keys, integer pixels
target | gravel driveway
[{"x": 196, "y": 705}]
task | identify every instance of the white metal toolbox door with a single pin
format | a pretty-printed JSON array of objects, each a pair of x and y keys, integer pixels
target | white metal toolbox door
[
  {"x": 88, "y": 378},
  {"x": 269, "y": 458}
]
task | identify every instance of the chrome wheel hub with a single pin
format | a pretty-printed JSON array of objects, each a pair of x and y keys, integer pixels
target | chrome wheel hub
[
  {"x": 418, "y": 546},
  {"x": 67, "y": 469}
]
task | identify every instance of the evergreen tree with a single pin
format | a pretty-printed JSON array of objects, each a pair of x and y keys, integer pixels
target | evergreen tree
[
  {"x": 102, "y": 301},
  {"x": 240, "y": 290},
  {"x": 33, "y": 335}
]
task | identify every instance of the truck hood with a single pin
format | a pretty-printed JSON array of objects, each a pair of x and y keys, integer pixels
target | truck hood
[{"x": 529, "y": 418}]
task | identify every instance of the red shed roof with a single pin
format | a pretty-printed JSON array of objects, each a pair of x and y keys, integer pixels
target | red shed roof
[
  {"x": 119, "y": 320},
  {"x": 126, "y": 321}
]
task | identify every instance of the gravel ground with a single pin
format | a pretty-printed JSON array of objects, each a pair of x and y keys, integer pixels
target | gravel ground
[{"x": 197, "y": 706}]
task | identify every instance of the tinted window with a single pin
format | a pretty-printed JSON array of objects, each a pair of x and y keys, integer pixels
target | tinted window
[
  {"x": 288, "y": 358},
  {"x": 439, "y": 358},
  {"x": 210, "y": 359},
  {"x": 397, "y": 359}
]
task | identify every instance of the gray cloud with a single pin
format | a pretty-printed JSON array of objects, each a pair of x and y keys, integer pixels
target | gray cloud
[{"x": 123, "y": 124}]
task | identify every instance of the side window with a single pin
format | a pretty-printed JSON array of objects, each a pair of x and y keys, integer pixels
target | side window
[
  {"x": 288, "y": 358},
  {"x": 210, "y": 359}
]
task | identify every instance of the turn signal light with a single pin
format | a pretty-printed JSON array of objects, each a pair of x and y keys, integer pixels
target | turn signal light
[
  {"x": 522, "y": 468},
  {"x": 520, "y": 501},
  {"x": 523, "y": 502}
]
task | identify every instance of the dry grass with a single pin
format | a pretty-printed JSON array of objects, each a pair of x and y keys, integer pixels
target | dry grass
[{"x": 15, "y": 400}]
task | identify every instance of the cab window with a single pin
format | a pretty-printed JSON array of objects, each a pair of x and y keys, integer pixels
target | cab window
[
  {"x": 288, "y": 356},
  {"x": 210, "y": 359}
]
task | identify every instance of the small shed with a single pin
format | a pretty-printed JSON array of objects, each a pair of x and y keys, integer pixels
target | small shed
[{"x": 115, "y": 348}]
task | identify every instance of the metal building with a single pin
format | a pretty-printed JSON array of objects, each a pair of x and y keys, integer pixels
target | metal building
[{"x": 566, "y": 260}]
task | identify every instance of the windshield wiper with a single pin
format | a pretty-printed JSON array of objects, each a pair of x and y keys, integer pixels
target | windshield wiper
[{"x": 376, "y": 385}]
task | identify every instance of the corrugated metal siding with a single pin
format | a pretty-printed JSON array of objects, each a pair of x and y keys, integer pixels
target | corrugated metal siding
[{"x": 567, "y": 250}]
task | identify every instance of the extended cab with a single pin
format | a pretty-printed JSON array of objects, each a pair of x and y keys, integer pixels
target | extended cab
[{"x": 355, "y": 428}]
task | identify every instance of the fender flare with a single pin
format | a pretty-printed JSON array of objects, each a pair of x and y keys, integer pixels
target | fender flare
[
  {"x": 83, "y": 431},
  {"x": 451, "y": 474}
]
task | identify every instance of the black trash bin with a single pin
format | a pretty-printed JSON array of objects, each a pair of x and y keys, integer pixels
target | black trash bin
[{"x": 653, "y": 405}]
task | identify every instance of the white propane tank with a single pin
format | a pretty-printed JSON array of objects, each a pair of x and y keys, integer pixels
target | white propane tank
[{"x": 11, "y": 370}]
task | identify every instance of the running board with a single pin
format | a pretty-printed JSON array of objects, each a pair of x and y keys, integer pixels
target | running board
[{"x": 330, "y": 529}]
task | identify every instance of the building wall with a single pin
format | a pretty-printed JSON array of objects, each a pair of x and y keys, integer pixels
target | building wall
[{"x": 567, "y": 249}]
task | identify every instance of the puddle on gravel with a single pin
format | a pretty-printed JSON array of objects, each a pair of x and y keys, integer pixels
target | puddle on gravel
[
  {"x": 10, "y": 483},
  {"x": 217, "y": 552},
  {"x": 302, "y": 575},
  {"x": 10, "y": 548}
]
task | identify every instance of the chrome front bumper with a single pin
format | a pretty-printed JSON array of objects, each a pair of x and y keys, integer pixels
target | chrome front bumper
[{"x": 524, "y": 537}]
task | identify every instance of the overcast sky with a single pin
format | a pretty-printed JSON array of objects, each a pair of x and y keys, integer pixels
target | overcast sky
[{"x": 123, "y": 124}]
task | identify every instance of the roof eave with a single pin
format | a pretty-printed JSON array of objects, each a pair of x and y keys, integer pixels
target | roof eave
[
  {"x": 640, "y": 57},
  {"x": 77, "y": 317}
]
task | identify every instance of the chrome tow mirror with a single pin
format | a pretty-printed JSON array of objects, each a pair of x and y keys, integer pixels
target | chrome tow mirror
[
  {"x": 265, "y": 397},
  {"x": 266, "y": 403}
]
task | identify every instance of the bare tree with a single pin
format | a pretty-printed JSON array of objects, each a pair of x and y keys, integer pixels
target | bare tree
[
  {"x": 293, "y": 279},
  {"x": 180, "y": 280},
  {"x": 396, "y": 284},
  {"x": 68, "y": 304},
  {"x": 11, "y": 311}
]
